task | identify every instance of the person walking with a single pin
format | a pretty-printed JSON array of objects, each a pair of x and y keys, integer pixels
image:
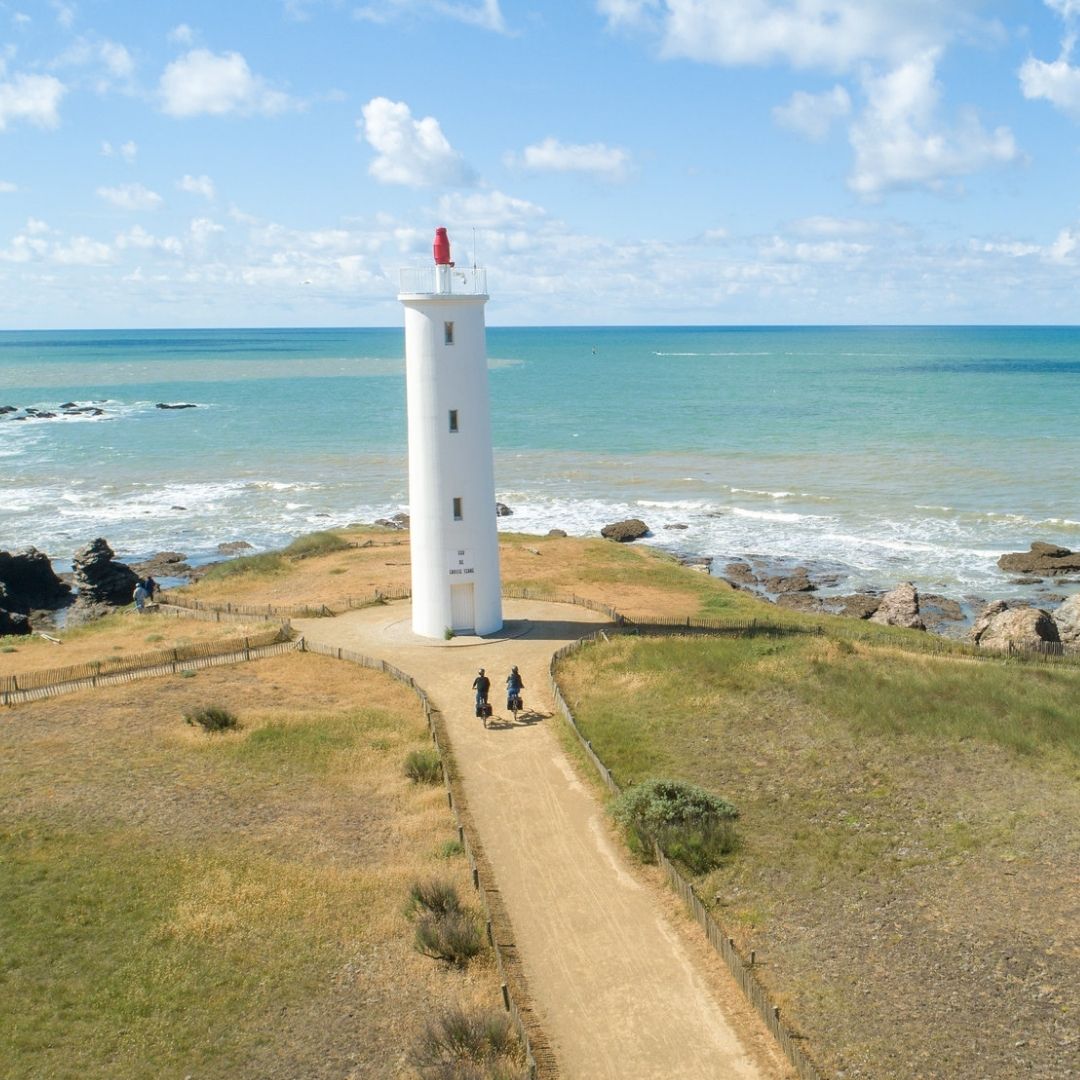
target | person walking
[{"x": 140, "y": 597}]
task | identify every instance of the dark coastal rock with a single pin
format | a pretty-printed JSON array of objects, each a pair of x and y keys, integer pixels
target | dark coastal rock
[
  {"x": 740, "y": 573},
  {"x": 28, "y": 581},
  {"x": 177, "y": 405},
  {"x": 100, "y": 579},
  {"x": 1067, "y": 621},
  {"x": 233, "y": 547},
  {"x": 1001, "y": 627},
  {"x": 696, "y": 562},
  {"x": 676, "y": 525},
  {"x": 1041, "y": 560},
  {"x": 502, "y": 510},
  {"x": 5, "y": 409},
  {"x": 164, "y": 564},
  {"x": 795, "y": 582},
  {"x": 855, "y": 605},
  {"x": 900, "y": 607},
  {"x": 13, "y": 623},
  {"x": 1026, "y": 581},
  {"x": 557, "y": 532},
  {"x": 937, "y": 610},
  {"x": 625, "y": 531},
  {"x": 800, "y": 601},
  {"x": 400, "y": 520}
]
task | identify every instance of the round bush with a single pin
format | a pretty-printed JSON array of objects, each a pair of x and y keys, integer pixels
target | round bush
[{"x": 212, "y": 718}]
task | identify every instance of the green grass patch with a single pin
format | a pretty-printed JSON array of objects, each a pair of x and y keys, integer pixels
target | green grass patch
[
  {"x": 316, "y": 543},
  {"x": 266, "y": 564}
]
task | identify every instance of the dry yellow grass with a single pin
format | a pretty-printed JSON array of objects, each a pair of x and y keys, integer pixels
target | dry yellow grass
[
  {"x": 637, "y": 580},
  {"x": 221, "y": 905},
  {"x": 124, "y": 633}
]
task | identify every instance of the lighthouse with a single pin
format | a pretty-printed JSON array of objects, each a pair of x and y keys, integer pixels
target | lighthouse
[{"x": 453, "y": 536}]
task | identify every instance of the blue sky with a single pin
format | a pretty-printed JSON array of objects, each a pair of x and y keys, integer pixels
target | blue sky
[{"x": 274, "y": 162}]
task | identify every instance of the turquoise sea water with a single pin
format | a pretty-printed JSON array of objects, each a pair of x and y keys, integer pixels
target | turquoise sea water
[{"x": 888, "y": 453}]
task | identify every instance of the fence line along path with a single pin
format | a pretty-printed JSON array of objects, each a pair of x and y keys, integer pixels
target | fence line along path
[{"x": 615, "y": 987}]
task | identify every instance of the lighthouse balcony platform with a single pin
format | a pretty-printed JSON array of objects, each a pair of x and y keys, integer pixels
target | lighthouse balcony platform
[{"x": 442, "y": 280}]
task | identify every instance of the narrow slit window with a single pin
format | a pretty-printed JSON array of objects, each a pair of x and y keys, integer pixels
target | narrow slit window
[
  {"x": 457, "y": 507},
  {"x": 448, "y": 333},
  {"x": 453, "y": 420}
]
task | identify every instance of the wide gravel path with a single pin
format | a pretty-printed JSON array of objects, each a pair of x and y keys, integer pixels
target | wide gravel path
[{"x": 617, "y": 989}]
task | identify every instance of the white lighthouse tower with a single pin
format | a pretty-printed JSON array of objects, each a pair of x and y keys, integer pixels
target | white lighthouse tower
[{"x": 454, "y": 539}]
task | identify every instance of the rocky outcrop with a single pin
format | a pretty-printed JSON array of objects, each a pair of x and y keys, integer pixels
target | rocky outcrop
[
  {"x": 233, "y": 547},
  {"x": 1001, "y": 627},
  {"x": 625, "y": 531},
  {"x": 1041, "y": 560},
  {"x": 502, "y": 510},
  {"x": 676, "y": 525},
  {"x": 176, "y": 405},
  {"x": 856, "y": 605},
  {"x": 29, "y": 582},
  {"x": 556, "y": 532},
  {"x": 13, "y": 623},
  {"x": 1067, "y": 621},
  {"x": 99, "y": 579},
  {"x": 696, "y": 562},
  {"x": 900, "y": 607},
  {"x": 164, "y": 564},
  {"x": 399, "y": 520},
  {"x": 797, "y": 581},
  {"x": 740, "y": 574}
]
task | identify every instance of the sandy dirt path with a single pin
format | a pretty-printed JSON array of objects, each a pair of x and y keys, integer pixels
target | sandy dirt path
[{"x": 617, "y": 989}]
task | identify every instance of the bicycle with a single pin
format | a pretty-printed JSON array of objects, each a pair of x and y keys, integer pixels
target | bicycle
[{"x": 513, "y": 703}]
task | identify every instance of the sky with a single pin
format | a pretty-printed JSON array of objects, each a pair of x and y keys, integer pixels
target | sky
[{"x": 610, "y": 162}]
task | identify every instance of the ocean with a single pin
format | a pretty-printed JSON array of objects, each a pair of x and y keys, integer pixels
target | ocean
[{"x": 882, "y": 454}]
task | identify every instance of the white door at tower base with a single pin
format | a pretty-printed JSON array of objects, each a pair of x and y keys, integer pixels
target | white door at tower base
[{"x": 462, "y": 608}]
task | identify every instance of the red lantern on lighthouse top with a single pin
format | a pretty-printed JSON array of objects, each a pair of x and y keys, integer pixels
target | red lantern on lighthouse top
[{"x": 442, "y": 248}]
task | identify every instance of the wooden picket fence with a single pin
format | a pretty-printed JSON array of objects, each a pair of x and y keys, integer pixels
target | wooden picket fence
[{"x": 740, "y": 967}]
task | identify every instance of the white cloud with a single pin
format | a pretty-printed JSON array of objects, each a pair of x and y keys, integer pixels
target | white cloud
[
  {"x": 822, "y": 225},
  {"x": 138, "y": 238},
  {"x": 110, "y": 61},
  {"x": 812, "y": 115},
  {"x": 897, "y": 143},
  {"x": 1067, "y": 242},
  {"x": 411, "y": 152},
  {"x": 202, "y": 82},
  {"x": 597, "y": 159},
  {"x": 128, "y": 150},
  {"x": 65, "y": 14},
  {"x": 832, "y": 34},
  {"x": 181, "y": 34},
  {"x": 34, "y": 99},
  {"x": 82, "y": 251},
  {"x": 1057, "y": 81},
  {"x": 489, "y": 210},
  {"x": 7, "y": 187},
  {"x": 485, "y": 15},
  {"x": 203, "y": 229},
  {"x": 197, "y": 185},
  {"x": 131, "y": 197}
]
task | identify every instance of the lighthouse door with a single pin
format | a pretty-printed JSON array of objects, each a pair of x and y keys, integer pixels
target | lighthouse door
[{"x": 462, "y": 607}]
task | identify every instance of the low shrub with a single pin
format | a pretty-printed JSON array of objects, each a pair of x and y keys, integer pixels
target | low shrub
[
  {"x": 461, "y": 1044},
  {"x": 453, "y": 936},
  {"x": 450, "y": 849},
  {"x": 433, "y": 897},
  {"x": 212, "y": 718},
  {"x": 424, "y": 766},
  {"x": 316, "y": 543},
  {"x": 691, "y": 825}
]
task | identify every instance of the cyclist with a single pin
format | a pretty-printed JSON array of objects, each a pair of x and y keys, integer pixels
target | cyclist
[
  {"x": 481, "y": 684},
  {"x": 514, "y": 685}
]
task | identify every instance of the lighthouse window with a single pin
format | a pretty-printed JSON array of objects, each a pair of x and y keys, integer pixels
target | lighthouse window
[
  {"x": 453, "y": 420},
  {"x": 457, "y": 507},
  {"x": 448, "y": 332}
]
